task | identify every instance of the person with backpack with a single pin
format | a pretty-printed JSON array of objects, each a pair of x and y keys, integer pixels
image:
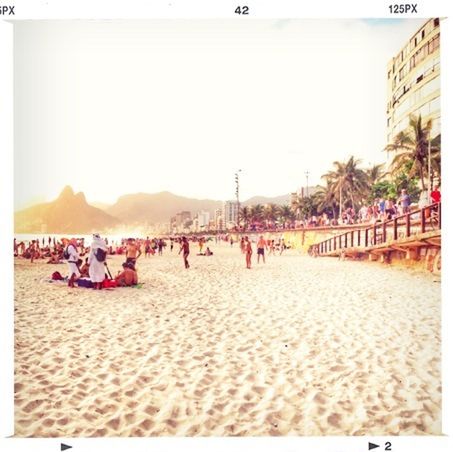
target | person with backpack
[
  {"x": 71, "y": 256},
  {"x": 96, "y": 261}
]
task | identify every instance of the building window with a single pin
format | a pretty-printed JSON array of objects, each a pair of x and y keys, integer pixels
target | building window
[
  {"x": 415, "y": 42},
  {"x": 433, "y": 44},
  {"x": 423, "y": 34},
  {"x": 436, "y": 22}
]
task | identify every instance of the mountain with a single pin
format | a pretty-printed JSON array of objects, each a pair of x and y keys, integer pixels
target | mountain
[
  {"x": 279, "y": 200},
  {"x": 100, "y": 205},
  {"x": 157, "y": 207},
  {"x": 68, "y": 214}
]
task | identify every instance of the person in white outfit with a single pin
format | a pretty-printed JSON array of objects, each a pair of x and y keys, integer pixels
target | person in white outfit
[
  {"x": 73, "y": 257},
  {"x": 97, "y": 267}
]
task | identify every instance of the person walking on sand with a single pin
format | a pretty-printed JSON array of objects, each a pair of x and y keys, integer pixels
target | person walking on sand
[
  {"x": 72, "y": 260},
  {"x": 242, "y": 245},
  {"x": 260, "y": 249},
  {"x": 185, "y": 248},
  {"x": 282, "y": 246},
  {"x": 96, "y": 261},
  {"x": 248, "y": 253}
]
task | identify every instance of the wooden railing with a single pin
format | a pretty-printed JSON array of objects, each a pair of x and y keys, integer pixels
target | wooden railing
[{"x": 416, "y": 222}]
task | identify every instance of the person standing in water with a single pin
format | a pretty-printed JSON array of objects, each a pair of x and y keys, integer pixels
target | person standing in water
[{"x": 185, "y": 248}]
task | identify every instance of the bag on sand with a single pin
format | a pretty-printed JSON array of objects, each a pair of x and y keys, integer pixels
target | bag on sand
[
  {"x": 66, "y": 254},
  {"x": 56, "y": 276},
  {"x": 100, "y": 254},
  {"x": 108, "y": 283}
]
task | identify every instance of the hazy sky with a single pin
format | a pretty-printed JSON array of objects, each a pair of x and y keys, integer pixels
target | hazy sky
[{"x": 116, "y": 107}]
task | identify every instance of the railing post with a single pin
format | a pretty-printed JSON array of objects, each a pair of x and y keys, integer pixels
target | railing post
[
  {"x": 346, "y": 240},
  {"x": 408, "y": 225},
  {"x": 422, "y": 219},
  {"x": 334, "y": 243},
  {"x": 366, "y": 237},
  {"x": 374, "y": 234},
  {"x": 395, "y": 228},
  {"x": 352, "y": 238},
  {"x": 384, "y": 231},
  {"x": 359, "y": 233}
]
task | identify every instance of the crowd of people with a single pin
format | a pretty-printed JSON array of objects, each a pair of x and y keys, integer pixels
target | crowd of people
[
  {"x": 380, "y": 209},
  {"x": 89, "y": 261}
]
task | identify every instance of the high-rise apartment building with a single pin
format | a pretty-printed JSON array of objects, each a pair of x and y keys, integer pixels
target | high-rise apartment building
[
  {"x": 413, "y": 81},
  {"x": 230, "y": 214}
]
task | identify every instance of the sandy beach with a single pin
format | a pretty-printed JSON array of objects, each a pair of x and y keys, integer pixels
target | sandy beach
[{"x": 298, "y": 346}]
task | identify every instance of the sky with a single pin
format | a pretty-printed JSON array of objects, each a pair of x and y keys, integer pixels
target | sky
[{"x": 117, "y": 107}]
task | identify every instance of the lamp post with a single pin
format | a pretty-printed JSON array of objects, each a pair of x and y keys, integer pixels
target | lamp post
[
  {"x": 307, "y": 173},
  {"x": 429, "y": 163},
  {"x": 236, "y": 179}
]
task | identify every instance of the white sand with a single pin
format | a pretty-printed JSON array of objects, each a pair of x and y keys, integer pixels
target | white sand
[{"x": 298, "y": 346}]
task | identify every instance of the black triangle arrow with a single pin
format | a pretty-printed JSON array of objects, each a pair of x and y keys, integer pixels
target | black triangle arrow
[
  {"x": 65, "y": 446},
  {"x": 372, "y": 446}
]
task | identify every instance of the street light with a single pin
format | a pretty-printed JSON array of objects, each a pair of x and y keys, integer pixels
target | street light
[
  {"x": 236, "y": 178},
  {"x": 429, "y": 163}
]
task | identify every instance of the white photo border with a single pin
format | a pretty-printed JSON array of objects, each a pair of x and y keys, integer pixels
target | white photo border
[{"x": 195, "y": 9}]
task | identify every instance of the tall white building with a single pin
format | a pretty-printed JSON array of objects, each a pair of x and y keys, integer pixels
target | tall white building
[
  {"x": 413, "y": 81},
  {"x": 230, "y": 214}
]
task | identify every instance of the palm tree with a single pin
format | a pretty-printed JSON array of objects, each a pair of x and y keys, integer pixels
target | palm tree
[
  {"x": 347, "y": 181},
  {"x": 375, "y": 173},
  {"x": 244, "y": 215},
  {"x": 286, "y": 213},
  {"x": 412, "y": 146},
  {"x": 256, "y": 213},
  {"x": 270, "y": 213},
  {"x": 297, "y": 206}
]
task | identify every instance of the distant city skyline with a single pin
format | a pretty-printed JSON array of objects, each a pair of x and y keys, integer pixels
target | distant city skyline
[{"x": 121, "y": 107}]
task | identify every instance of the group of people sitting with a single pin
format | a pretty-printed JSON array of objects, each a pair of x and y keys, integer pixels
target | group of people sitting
[{"x": 95, "y": 267}]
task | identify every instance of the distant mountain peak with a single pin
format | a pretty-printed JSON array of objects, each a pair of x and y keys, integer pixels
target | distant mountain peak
[
  {"x": 81, "y": 197},
  {"x": 66, "y": 193},
  {"x": 69, "y": 213}
]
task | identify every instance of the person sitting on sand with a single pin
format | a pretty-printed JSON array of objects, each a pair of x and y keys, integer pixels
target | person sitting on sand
[
  {"x": 84, "y": 270},
  {"x": 128, "y": 277},
  {"x": 73, "y": 257},
  {"x": 54, "y": 259}
]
